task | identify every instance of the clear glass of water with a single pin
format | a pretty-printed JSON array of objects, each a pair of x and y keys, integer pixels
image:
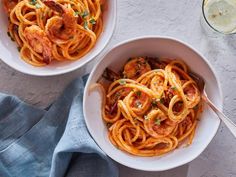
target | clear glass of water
[{"x": 220, "y": 15}]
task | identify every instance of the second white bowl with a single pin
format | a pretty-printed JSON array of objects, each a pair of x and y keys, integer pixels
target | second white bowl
[
  {"x": 11, "y": 56},
  {"x": 155, "y": 47}
]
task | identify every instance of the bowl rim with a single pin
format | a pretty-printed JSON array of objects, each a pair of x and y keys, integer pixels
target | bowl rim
[
  {"x": 73, "y": 68},
  {"x": 146, "y": 37}
]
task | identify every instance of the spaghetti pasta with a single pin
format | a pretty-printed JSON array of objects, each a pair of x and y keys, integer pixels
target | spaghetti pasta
[
  {"x": 151, "y": 107},
  {"x": 48, "y": 30}
]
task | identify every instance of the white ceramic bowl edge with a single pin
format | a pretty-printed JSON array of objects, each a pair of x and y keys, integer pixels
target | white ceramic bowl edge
[{"x": 153, "y": 46}]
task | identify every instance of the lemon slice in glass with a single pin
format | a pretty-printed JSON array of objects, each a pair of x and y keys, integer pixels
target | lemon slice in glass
[{"x": 221, "y": 15}]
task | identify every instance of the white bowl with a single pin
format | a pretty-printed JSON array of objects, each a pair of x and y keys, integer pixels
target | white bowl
[
  {"x": 153, "y": 46},
  {"x": 10, "y": 55}
]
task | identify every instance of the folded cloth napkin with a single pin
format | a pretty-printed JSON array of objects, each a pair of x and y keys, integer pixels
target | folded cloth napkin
[{"x": 49, "y": 143}]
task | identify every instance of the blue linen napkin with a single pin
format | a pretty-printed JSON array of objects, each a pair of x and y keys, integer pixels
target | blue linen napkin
[{"x": 49, "y": 143}]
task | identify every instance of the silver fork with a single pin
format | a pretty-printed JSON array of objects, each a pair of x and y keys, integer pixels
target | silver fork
[{"x": 201, "y": 84}]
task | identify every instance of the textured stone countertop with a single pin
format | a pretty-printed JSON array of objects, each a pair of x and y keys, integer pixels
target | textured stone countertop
[{"x": 180, "y": 19}]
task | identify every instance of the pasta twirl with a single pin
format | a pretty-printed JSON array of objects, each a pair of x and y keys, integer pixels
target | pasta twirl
[
  {"x": 47, "y": 30},
  {"x": 151, "y": 107}
]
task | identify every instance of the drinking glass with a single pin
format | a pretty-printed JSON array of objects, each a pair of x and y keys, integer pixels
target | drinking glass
[{"x": 219, "y": 15}]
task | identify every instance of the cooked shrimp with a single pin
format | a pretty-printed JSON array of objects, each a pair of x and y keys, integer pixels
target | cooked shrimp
[
  {"x": 39, "y": 41},
  {"x": 60, "y": 29},
  {"x": 139, "y": 99},
  {"x": 136, "y": 67},
  {"x": 158, "y": 125},
  {"x": 9, "y": 5}
]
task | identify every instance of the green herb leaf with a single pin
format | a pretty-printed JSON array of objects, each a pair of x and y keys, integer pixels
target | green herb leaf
[
  {"x": 138, "y": 93},
  {"x": 76, "y": 13},
  {"x": 38, "y": 6},
  {"x": 86, "y": 25},
  {"x": 158, "y": 122},
  {"x": 122, "y": 82},
  {"x": 161, "y": 100},
  {"x": 174, "y": 88},
  {"x": 92, "y": 21},
  {"x": 84, "y": 14},
  {"x": 154, "y": 103},
  {"x": 138, "y": 104},
  {"x": 33, "y": 2}
]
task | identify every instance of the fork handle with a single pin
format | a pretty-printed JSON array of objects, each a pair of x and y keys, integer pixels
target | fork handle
[{"x": 229, "y": 123}]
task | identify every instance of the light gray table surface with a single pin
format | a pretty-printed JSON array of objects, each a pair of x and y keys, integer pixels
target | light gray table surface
[{"x": 180, "y": 19}]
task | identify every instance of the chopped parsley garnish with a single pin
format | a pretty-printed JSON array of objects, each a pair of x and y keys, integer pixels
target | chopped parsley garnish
[
  {"x": 138, "y": 93},
  {"x": 76, "y": 13},
  {"x": 33, "y": 2},
  {"x": 154, "y": 103},
  {"x": 174, "y": 88},
  {"x": 161, "y": 100},
  {"x": 38, "y": 6},
  {"x": 92, "y": 21},
  {"x": 138, "y": 104},
  {"x": 84, "y": 14},
  {"x": 122, "y": 82},
  {"x": 86, "y": 25},
  {"x": 158, "y": 122}
]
